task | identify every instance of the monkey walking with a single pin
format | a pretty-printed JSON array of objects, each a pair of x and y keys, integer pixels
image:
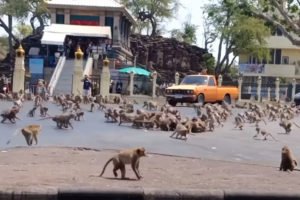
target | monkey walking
[
  {"x": 288, "y": 161},
  {"x": 287, "y": 125},
  {"x": 30, "y": 133},
  {"x": 181, "y": 131},
  {"x": 128, "y": 156},
  {"x": 31, "y": 112},
  {"x": 264, "y": 133},
  {"x": 11, "y": 115},
  {"x": 79, "y": 115}
]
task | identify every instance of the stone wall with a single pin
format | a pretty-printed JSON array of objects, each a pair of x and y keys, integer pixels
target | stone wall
[{"x": 166, "y": 56}]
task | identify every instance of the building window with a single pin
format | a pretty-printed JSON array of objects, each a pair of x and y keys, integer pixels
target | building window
[
  {"x": 285, "y": 60},
  {"x": 60, "y": 18},
  {"x": 275, "y": 56},
  {"x": 109, "y": 21}
]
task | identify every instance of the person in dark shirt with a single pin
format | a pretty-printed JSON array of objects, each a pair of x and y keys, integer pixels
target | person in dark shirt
[{"x": 86, "y": 85}]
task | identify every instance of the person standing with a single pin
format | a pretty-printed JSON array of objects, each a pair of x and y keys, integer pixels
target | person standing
[{"x": 86, "y": 86}]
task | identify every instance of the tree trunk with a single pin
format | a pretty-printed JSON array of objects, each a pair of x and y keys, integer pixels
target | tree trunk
[
  {"x": 10, "y": 44},
  {"x": 154, "y": 26}
]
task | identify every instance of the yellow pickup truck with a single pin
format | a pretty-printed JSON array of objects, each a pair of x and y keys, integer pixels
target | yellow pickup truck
[{"x": 200, "y": 89}]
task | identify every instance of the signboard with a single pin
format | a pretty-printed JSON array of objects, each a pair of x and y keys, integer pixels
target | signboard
[
  {"x": 252, "y": 68},
  {"x": 36, "y": 68}
]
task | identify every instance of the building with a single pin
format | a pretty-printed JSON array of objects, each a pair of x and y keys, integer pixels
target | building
[
  {"x": 284, "y": 60},
  {"x": 99, "y": 13}
]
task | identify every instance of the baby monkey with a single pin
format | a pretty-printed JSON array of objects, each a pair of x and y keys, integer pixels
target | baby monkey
[
  {"x": 264, "y": 133},
  {"x": 128, "y": 156}
]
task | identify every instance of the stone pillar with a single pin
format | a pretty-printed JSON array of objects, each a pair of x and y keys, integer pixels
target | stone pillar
[
  {"x": 220, "y": 80},
  {"x": 269, "y": 94},
  {"x": 277, "y": 84},
  {"x": 102, "y": 18},
  {"x": 53, "y": 16},
  {"x": 67, "y": 16},
  {"x": 240, "y": 82},
  {"x": 176, "y": 78},
  {"x": 77, "y": 86},
  {"x": 154, "y": 77},
  {"x": 131, "y": 83},
  {"x": 258, "y": 91},
  {"x": 294, "y": 82},
  {"x": 116, "y": 33},
  {"x": 19, "y": 71},
  {"x": 105, "y": 78}
]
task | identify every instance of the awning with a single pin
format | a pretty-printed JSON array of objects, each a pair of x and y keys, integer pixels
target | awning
[{"x": 52, "y": 38}]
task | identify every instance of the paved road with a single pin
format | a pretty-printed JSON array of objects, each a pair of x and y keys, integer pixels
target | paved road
[{"x": 224, "y": 143}]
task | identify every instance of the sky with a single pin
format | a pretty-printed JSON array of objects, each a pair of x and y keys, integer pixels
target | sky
[{"x": 194, "y": 9}]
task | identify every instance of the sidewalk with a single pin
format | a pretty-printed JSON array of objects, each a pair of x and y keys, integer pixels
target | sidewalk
[{"x": 51, "y": 167}]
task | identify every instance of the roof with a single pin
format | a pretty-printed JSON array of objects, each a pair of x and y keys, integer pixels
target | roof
[
  {"x": 91, "y": 3},
  {"x": 56, "y": 33},
  {"x": 110, "y": 4}
]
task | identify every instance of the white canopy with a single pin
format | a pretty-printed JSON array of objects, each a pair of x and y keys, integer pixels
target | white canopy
[{"x": 55, "y": 33}]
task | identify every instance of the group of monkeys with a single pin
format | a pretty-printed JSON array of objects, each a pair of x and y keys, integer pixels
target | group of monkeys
[{"x": 166, "y": 118}]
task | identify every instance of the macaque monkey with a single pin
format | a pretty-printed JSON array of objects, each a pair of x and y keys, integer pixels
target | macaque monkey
[
  {"x": 79, "y": 115},
  {"x": 288, "y": 161},
  {"x": 129, "y": 156},
  {"x": 11, "y": 115},
  {"x": 43, "y": 111},
  {"x": 31, "y": 112},
  {"x": 150, "y": 105},
  {"x": 287, "y": 125},
  {"x": 30, "y": 133},
  {"x": 264, "y": 133},
  {"x": 181, "y": 131},
  {"x": 92, "y": 107}
]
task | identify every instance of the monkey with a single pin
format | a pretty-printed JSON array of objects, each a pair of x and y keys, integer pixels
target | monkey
[
  {"x": 288, "y": 161},
  {"x": 128, "y": 156},
  {"x": 287, "y": 125},
  {"x": 30, "y": 133},
  {"x": 150, "y": 105},
  {"x": 264, "y": 133},
  {"x": 63, "y": 120},
  {"x": 239, "y": 122},
  {"x": 11, "y": 115},
  {"x": 181, "y": 131},
  {"x": 43, "y": 111},
  {"x": 31, "y": 113},
  {"x": 92, "y": 107},
  {"x": 78, "y": 115}
]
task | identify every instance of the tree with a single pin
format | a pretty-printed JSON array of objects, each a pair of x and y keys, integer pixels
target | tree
[
  {"x": 154, "y": 11},
  {"x": 188, "y": 34},
  {"x": 237, "y": 31},
  {"x": 22, "y": 31},
  {"x": 20, "y": 10},
  {"x": 283, "y": 14},
  {"x": 209, "y": 32}
]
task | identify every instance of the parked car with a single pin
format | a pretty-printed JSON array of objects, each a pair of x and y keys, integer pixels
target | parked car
[{"x": 201, "y": 89}]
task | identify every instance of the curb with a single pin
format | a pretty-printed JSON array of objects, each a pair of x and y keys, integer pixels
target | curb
[{"x": 141, "y": 194}]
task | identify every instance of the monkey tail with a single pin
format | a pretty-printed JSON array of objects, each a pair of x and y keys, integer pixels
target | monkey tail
[
  {"x": 105, "y": 166},
  {"x": 296, "y": 125},
  {"x": 17, "y": 131},
  {"x": 46, "y": 118}
]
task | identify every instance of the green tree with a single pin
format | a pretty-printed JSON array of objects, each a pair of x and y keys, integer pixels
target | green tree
[
  {"x": 283, "y": 14},
  {"x": 20, "y": 10},
  {"x": 188, "y": 34},
  {"x": 154, "y": 11},
  {"x": 237, "y": 31},
  {"x": 22, "y": 30}
]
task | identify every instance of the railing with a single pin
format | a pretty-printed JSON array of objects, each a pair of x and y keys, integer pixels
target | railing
[
  {"x": 56, "y": 74},
  {"x": 88, "y": 67}
]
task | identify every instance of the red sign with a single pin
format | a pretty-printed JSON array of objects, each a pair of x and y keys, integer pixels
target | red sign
[{"x": 85, "y": 22}]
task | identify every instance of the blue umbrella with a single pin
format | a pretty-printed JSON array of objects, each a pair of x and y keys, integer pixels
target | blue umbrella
[{"x": 135, "y": 70}]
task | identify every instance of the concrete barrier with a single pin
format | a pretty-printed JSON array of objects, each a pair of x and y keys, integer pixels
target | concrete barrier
[{"x": 140, "y": 194}]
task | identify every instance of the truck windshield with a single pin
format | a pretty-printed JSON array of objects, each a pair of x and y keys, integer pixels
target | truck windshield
[{"x": 194, "y": 80}]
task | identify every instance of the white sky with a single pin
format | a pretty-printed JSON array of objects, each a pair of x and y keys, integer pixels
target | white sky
[{"x": 194, "y": 9}]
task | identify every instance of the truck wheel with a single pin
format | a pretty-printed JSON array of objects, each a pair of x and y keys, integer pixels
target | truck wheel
[
  {"x": 172, "y": 103},
  {"x": 227, "y": 99},
  {"x": 201, "y": 99}
]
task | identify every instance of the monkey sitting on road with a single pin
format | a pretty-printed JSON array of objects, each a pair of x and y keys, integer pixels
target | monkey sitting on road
[
  {"x": 288, "y": 161},
  {"x": 129, "y": 156},
  {"x": 264, "y": 133},
  {"x": 181, "y": 131}
]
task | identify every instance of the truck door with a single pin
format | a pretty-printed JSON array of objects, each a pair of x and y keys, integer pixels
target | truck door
[{"x": 211, "y": 91}]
